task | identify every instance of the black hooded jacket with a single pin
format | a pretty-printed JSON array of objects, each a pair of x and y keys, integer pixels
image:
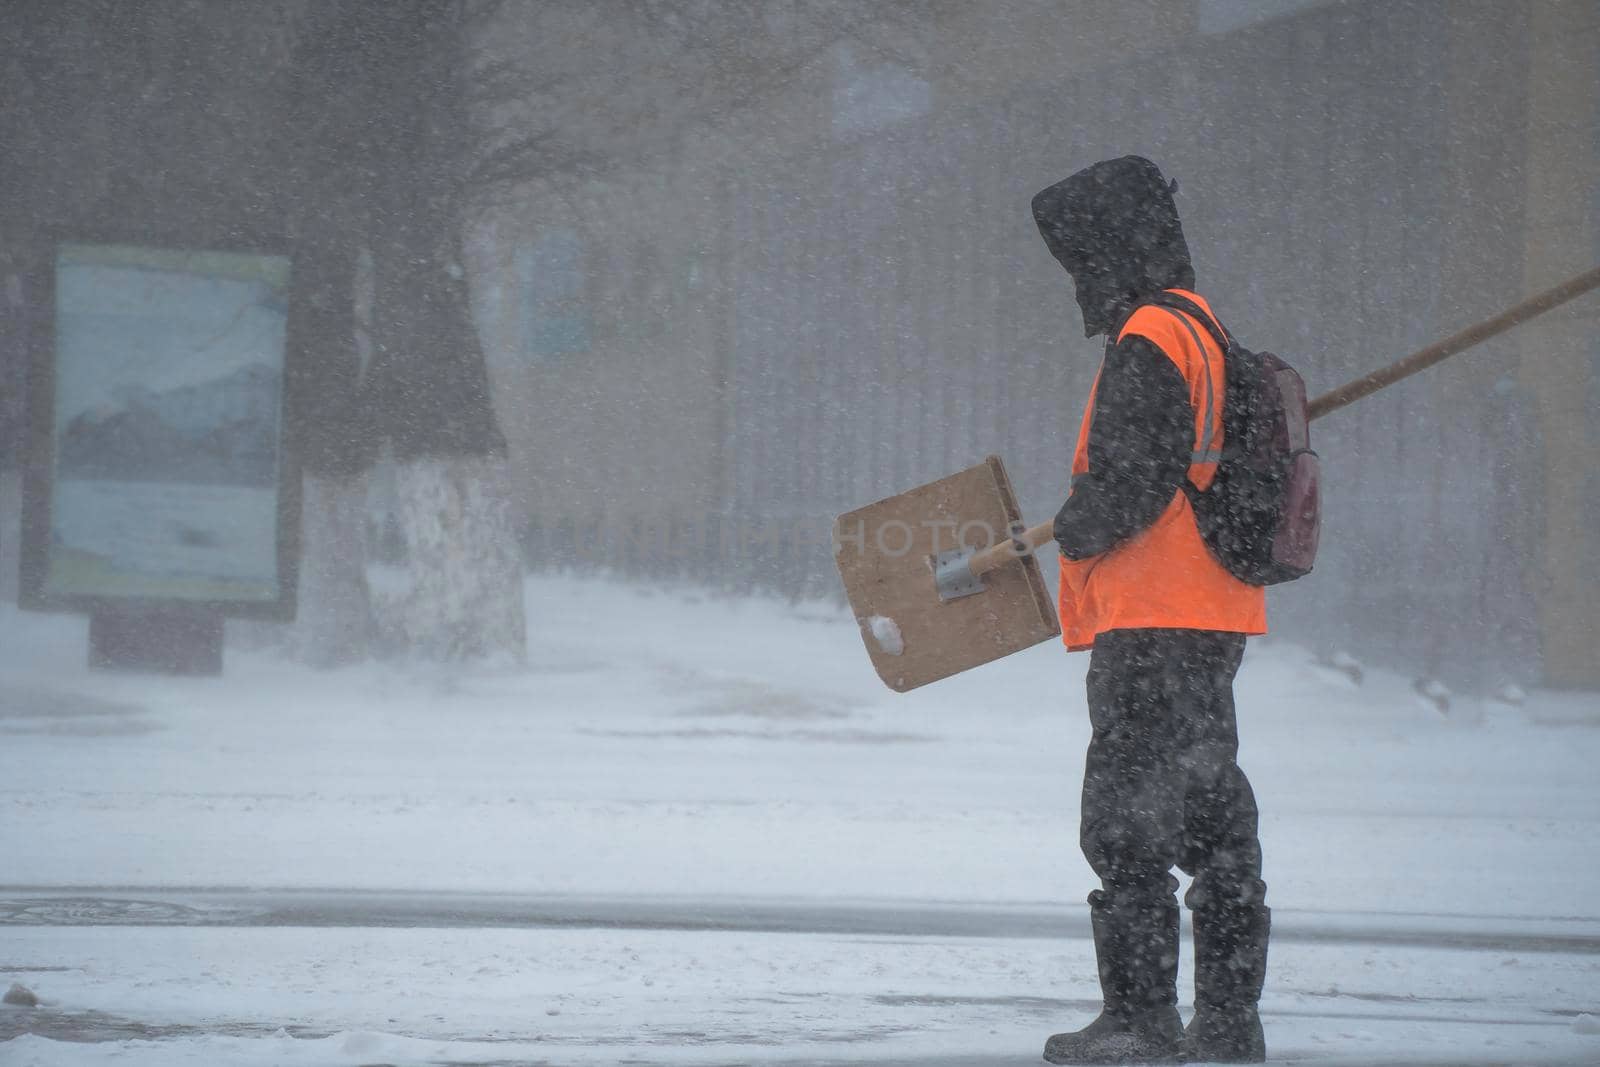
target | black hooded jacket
[{"x": 1115, "y": 229}]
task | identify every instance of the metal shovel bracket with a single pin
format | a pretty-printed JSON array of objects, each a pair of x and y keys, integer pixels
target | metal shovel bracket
[{"x": 952, "y": 574}]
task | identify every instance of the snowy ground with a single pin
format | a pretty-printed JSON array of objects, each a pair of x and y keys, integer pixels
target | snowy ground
[{"x": 699, "y": 831}]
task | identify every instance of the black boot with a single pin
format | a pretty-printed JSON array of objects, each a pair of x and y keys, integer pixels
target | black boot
[
  {"x": 1230, "y": 949},
  {"x": 1136, "y": 947}
]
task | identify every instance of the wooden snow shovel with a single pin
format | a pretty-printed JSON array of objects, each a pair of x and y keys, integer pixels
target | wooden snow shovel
[{"x": 942, "y": 578}]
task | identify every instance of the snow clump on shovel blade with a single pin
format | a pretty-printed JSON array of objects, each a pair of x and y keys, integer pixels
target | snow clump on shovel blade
[{"x": 886, "y": 632}]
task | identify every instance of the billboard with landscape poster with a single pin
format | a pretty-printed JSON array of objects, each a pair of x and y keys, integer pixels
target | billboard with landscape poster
[{"x": 158, "y": 476}]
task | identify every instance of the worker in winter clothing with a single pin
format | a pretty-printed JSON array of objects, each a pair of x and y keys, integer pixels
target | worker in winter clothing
[{"x": 1166, "y": 624}]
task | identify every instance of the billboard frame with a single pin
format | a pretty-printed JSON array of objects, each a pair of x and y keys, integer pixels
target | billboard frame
[{"x": 38, "y": 466}]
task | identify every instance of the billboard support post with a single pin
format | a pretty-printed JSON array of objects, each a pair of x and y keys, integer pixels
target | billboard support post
[{"x": 166, "y": 639}]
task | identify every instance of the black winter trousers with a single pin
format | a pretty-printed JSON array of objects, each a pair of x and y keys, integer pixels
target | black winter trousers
[{"x": 1162, "y": 786}]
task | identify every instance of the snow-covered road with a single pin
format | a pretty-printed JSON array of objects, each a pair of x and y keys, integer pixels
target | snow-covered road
[
  {"x": 364, "y": 978},
  {"x": 321, "y": 977},
  {"x": 697, "y": 830}
]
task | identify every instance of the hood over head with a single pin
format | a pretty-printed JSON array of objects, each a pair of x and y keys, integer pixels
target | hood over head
[{"x": 1115, "y": 228}]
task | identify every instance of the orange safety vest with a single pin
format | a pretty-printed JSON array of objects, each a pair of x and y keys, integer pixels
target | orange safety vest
[{"x": 1163, "y": 576}]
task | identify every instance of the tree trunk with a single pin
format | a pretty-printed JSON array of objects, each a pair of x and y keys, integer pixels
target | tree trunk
[
  {"x": 330, "y": 314},
  {"x": 333, "y": 621},
  {"x": 452, "y": 480},
  {"x": 465, "y": 596},
  {"x": 10, "y": 531},
  {"x": 382, "y": 119},
  {"x": 15, "y": 351}
]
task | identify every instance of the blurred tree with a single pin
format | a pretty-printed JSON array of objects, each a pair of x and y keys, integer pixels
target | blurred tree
[
  {"x": 376, "y": 126},
  {"x": 413, "y": 115}
]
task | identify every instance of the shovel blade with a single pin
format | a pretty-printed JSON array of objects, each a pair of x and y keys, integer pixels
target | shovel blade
[{"x": 885, "y": 553}]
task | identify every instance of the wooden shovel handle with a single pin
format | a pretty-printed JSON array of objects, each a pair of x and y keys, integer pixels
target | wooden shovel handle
[
  {"x": 1350, "y": 392},
  {"x": 1028, "y": 541}
]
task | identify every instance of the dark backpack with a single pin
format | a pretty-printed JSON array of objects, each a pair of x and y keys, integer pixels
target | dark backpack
[{"x": 1261, "y": 515}]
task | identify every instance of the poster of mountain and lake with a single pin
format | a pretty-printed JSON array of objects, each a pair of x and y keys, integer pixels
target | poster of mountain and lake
[{"x": 167, "y": 423}]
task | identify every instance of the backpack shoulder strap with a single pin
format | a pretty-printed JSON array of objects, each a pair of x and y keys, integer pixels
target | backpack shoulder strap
[
  {"x": 1183, "y": 312},
  {"x": 1173, "y": 301}
]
